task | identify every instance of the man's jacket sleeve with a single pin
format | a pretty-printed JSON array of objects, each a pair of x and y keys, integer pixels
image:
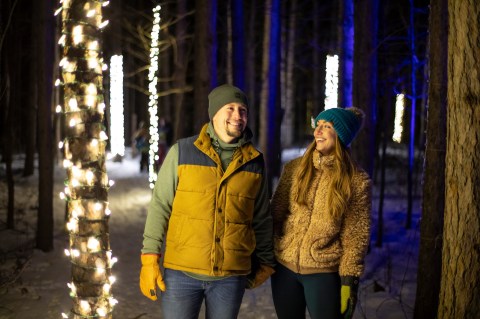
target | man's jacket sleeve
[{"x": 160, "y": 207}]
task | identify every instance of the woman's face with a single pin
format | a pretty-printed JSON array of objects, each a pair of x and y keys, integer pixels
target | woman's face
[{"x": 325, "y": 137}]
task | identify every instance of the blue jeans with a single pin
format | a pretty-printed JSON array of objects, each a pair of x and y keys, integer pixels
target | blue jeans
[{"x": 184, "y": 296}]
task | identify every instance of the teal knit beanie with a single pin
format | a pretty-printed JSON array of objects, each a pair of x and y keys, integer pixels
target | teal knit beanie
[
  {"x": 346, "y": 122},
  {"x": 223, "y": 95}
]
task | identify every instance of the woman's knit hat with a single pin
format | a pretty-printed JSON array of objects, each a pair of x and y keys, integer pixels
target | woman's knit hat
[
  {"x": 223, "y": 95},
  {"x": 347, "y": 122}
]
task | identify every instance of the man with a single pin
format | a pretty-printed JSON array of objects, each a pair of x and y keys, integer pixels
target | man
[{"x": 211, "y": 203}]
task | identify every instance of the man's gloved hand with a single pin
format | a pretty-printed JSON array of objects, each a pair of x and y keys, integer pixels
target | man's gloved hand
[
  {"x": 348, "y": 295},
  {"x": 150, "y": 276},
  {"x": 258, "y": 277}
]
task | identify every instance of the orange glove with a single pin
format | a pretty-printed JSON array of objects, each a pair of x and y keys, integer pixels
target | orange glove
[
  {"x": 260, "y": 276},
  {"x": 150, "y": 276}
]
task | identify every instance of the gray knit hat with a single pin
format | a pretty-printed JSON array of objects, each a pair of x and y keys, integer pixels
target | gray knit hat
[
  {"x": 346, "y": 122},
  {"x": 223, "y": 95}
]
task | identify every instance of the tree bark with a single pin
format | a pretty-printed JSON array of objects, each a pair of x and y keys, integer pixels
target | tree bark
[
  {"x": 205, "y": 58},
  {"x": 180, "y": 70},
  {"x": 269, "y": 112},
  {"x": 238, "y": 44},
  {"x": 288, "y": 88},
  {"x": 346, "y": 44},
  {"x": 31, "y": 103},
  {"x": 45, "y": 56},
  {"x": 433, "y": 204},
  {"x": 460, "y": 286},
  {"x": 84, "y": 148},
  {"x": 365, "y": 80}
]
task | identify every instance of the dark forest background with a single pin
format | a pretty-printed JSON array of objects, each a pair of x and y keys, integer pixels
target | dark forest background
[{"x": 275, "y": 51}]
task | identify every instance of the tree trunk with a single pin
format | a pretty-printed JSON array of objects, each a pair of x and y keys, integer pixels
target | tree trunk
[
  {"x": 45, "y": 56},
  {"x": 433, "y": 204},
  {"x": 250, "y": 69},
  {"x": 269, "y": 112},
  {"x": 179, "y": 75},
  {"x": 264, "y": 94},
  {"x": 346, "y": 57},
  {"x": 205, "y": 58},
  {"x": 7, "y": 139},
  {"x": 7, "y": 62},
  {"x": 365, "y": 79},
  {"x": 238, "y": 44},
  {"x": 84, "y": 148},
  {"x": 288, "y": 87},
  {"x": 31, "y": 103},
  {"x": 460, "y": 286}
]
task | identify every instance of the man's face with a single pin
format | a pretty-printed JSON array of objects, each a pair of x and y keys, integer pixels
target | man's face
[{"x": 230, "y": 122}]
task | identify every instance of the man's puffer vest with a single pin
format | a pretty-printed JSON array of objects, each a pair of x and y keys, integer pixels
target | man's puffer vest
[{"x": 210, "y": 228}]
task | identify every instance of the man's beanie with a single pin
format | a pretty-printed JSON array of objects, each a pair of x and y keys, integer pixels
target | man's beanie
[
  {"x": 346, "y": 122},
  {"x": 223, "y": 95}
]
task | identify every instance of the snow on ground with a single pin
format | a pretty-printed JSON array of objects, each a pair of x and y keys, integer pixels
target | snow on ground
[{"x": 33, "y": 284}]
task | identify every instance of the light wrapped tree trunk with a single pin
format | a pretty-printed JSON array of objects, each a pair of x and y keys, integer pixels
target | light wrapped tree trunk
[{"x": 86, "y": 186}]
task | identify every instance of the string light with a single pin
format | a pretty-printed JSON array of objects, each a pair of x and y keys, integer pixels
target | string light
[
  {"x": 331, "y": 82},
  {"x": 153, "y": 98},
  {"x": 87, "y": 183},
  {"x": 398, "y": 123},
  {"x": 117, "y": 143}
]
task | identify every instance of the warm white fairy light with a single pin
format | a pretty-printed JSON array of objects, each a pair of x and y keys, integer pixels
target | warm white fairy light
[
  {"x": 331, "y": 82},
  {"x": 116, "y": 106},
  {"x": 398, "y": 123},
  {"x": 77, "y": 34},
  {"x": 84, "y": 156},
  {"x": 103, "y": 25},
  {"x": 153, "y": 99},
  {"x": 103, "y": 136},
  {"x": 73, "y": 104},
  {"x": 61, "y": 40}
]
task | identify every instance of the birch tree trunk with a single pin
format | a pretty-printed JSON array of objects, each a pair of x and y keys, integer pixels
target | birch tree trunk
[{"x": 460, "y": 286}]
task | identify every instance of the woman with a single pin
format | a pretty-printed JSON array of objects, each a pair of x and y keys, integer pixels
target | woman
[{"x": 321, "y": 213}]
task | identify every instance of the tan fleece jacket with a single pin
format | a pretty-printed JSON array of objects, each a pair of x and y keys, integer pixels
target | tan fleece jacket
[{"x": 307, "y": 240}]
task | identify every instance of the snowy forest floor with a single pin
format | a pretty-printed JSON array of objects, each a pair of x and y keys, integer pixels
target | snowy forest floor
[{"x": 33, "y": 284}]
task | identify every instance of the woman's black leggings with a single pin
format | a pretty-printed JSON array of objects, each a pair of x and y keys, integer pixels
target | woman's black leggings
[{"x": 294, "y": 293}]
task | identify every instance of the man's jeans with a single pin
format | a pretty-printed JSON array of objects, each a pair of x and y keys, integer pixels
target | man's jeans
[{"x": 184, "y": 296}]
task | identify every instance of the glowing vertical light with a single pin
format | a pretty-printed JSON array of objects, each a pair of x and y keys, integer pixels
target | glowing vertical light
[
  {"x": 116, "y": 106},
  {"x": 153, "y": 99},
  {"x": 331, "y": 82},
  {"x": 398, "y": 124},
  {"x": 86, "y": 186}
]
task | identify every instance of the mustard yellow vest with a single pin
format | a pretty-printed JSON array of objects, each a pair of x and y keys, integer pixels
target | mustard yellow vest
[{"x": 210, "y": 228}]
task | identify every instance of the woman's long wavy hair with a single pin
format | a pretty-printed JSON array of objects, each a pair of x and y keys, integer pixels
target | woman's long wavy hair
[{"x": 339, "y": 190}]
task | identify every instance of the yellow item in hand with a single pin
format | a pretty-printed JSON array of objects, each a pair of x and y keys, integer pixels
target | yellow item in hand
[
  {"x": 345, "y": 293},
  {"x": 150, "y": 276}
]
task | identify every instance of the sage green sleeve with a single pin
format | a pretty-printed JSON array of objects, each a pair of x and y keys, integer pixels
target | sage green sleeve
[
  {"x": 263, "y": 226},
  {"x": 160, "y": 207}
]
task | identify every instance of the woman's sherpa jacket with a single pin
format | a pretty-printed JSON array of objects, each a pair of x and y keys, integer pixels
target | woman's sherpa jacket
[{"x": 306, "y": 239}]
